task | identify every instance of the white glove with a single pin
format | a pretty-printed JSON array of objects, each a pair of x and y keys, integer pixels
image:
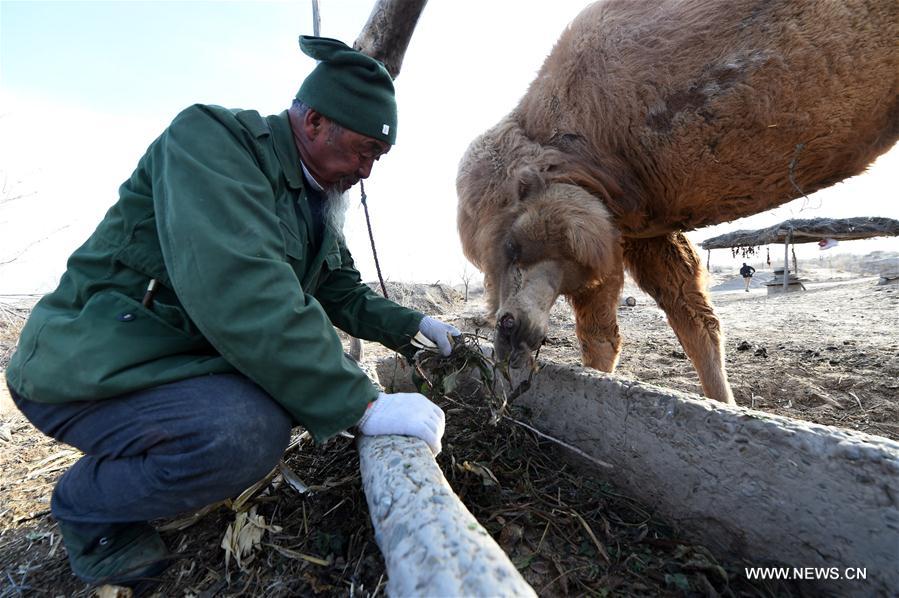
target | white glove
[
  {"x": 438, "y": 333},
  {"x": 406, "y": 414}
]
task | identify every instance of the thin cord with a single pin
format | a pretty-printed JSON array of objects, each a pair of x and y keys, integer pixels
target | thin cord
[{"x": 371, "y": 238}]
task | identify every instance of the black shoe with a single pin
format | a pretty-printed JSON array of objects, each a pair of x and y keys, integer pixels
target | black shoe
[{"x": 122, "y": 554}]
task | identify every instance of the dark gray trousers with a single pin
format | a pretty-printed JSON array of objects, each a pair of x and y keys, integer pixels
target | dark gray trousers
[{"x": 163, "y": 451}]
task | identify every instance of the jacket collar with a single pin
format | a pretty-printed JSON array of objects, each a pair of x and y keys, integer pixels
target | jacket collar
[
  {"x": 286, "y": 149},
  {"x": 311, "y": 179}
]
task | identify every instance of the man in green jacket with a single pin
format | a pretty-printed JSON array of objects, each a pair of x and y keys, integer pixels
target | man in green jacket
[{"x": 194, "y": 328}]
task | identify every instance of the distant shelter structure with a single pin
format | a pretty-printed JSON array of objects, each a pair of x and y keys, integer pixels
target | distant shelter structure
[{"x": 814, "y": 230}]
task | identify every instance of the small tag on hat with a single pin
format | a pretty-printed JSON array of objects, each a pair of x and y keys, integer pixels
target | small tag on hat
[{"x": 385, "y": 130}]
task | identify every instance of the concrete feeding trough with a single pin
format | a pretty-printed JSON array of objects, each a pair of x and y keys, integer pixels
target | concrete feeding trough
[{"x": 768, "y": 489}]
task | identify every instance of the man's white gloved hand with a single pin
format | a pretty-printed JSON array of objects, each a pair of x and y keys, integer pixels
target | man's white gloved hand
[
  {"x": 438, "y": 333},
  {"x": 406, "y": 414}
]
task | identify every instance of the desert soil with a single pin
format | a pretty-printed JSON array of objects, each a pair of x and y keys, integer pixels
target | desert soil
[{"x": 828, "y": 355}]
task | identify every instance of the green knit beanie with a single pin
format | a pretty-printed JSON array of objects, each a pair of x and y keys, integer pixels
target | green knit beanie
[{"x": 349, "y": 87}]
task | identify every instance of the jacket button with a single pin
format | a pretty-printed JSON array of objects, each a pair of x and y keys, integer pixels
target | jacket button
[{"x": 125, "y": 317}]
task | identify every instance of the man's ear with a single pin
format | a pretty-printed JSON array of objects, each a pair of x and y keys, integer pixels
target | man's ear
[{"x": 313, "y": 124}]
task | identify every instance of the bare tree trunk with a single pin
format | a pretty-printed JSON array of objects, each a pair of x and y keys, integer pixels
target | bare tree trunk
[{"x": 387, "y": 33}]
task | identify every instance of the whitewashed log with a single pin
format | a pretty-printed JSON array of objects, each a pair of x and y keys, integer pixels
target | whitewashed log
[
  {"x": 765, "y": 488},
  {"x": 432, "y": 544}
]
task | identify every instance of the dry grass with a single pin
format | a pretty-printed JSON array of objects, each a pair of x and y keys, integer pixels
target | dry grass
[{"x": 12, "y": 319}]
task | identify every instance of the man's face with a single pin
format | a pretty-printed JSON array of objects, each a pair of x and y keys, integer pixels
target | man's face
[{"x": 337, "y": 157}]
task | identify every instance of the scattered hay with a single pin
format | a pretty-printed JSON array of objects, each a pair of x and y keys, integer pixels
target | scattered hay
[
  {"x": 310, "y": 534},
  {"x": 469, "y": 374},
  {"x": 243, "y": 537},
  {"x": 569, "y": 534}
]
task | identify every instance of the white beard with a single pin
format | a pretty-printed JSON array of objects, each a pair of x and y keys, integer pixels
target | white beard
[{"x": 335, "y": 210}]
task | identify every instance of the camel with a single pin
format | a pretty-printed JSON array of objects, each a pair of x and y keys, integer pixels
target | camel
[{"x": 650, "y": 119}]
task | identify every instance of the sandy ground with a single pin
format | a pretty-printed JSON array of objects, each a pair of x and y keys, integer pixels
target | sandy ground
[
  {"x": 828, "y": 355},
  {"x": 6, "y": 404}
]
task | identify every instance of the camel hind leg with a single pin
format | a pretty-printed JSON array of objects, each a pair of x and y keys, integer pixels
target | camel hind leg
[
  {"x": 596, "y": 321},
  {"x": 670, "y": 270}
]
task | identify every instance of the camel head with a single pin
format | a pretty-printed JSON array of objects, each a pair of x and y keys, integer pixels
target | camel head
[{"x": 533, "y": 237}]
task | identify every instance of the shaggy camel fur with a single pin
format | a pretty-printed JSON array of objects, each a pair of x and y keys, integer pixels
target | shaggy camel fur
[{"x": 653, "y": 118}]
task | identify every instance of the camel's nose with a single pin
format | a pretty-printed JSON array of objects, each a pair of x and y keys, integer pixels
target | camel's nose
[{"x": 507, "y": 326}]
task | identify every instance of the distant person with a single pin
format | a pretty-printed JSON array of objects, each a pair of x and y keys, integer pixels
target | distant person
[
  {"x": 193, "y": 329},
  {"x": 746, "y": 272}
]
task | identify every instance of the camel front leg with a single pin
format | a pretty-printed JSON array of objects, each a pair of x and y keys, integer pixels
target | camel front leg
[
  {"x": 670, "y": 270},
  {"x": 596, "y": 321}
]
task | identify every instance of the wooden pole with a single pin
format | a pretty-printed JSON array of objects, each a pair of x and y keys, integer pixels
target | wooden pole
[
  {"x": 316, "y": 19},
  {"x": 787, "y": 240}
]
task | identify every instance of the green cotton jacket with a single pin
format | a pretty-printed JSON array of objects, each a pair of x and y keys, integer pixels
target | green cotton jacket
[{"x": 210, "y": 213}]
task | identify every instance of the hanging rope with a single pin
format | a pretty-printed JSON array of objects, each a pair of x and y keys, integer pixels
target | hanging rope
[
  {"x": 371, "y": 238},
  {"x": 316, "y": 29}
]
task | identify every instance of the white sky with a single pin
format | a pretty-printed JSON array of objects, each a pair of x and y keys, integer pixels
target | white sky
[{"x": 86, "y": 86}]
